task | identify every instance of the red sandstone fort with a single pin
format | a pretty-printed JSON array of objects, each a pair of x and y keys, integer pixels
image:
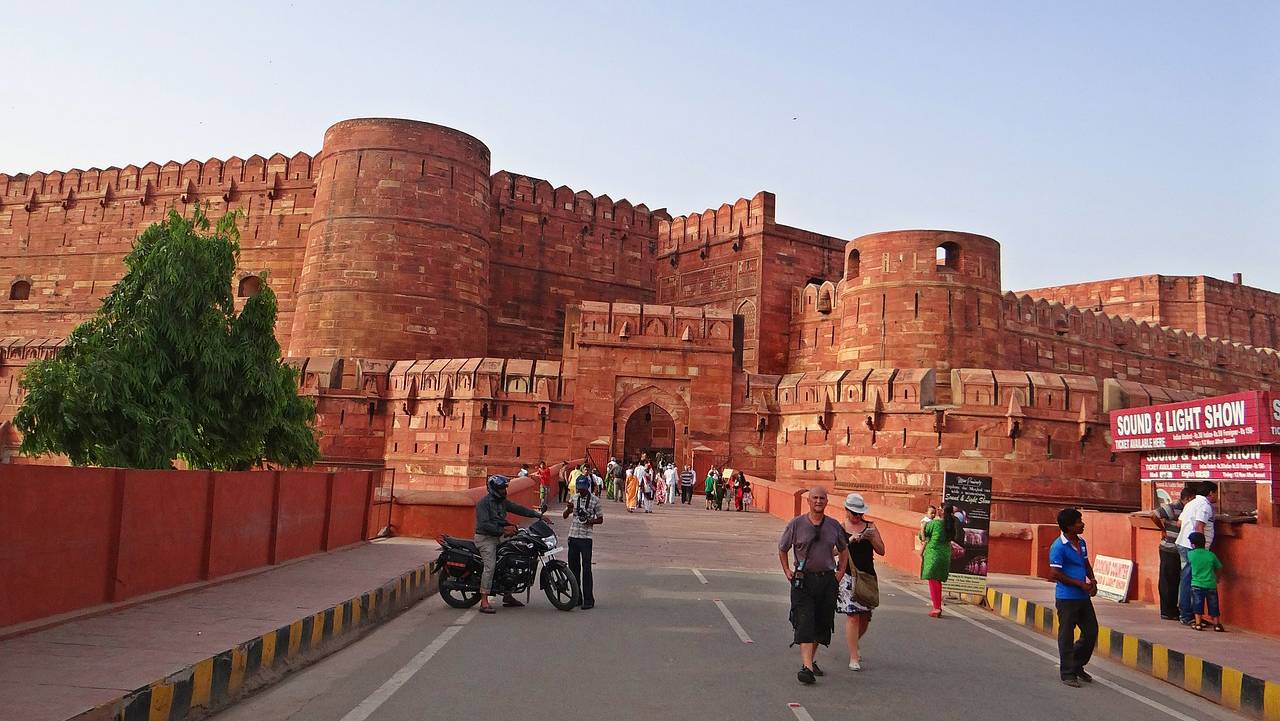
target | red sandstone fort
[{"x": 451, "y": 322}]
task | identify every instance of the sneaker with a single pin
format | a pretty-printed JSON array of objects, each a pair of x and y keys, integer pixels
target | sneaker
[
  {"x": 1073, "y": 683},
  {"x": 587, "y": 606},
  {"x": 817, "y": 671},
  {"x": 1084, "y": 676},
  {"x": 855, "y": 665},
  {"x": 805, "y": 675}
]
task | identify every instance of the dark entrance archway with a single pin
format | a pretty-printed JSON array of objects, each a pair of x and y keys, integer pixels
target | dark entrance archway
[{"x": 650, "y": 429}]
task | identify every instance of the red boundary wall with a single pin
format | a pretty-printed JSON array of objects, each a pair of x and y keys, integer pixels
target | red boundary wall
[{"x": 73, "y": 538}]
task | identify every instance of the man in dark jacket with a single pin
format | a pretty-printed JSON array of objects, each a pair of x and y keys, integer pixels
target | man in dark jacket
[{"x": 491, "y": 526}]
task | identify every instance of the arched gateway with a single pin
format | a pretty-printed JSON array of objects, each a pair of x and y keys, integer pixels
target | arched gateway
[
  {"x": 652, "y": 420},
  {"x": 650, "y": 379}
]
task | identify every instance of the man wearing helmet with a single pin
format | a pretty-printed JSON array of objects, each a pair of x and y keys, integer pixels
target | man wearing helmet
[{"x": 491, "y": 526}]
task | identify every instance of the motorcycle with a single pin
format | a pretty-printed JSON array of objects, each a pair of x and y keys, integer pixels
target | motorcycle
[{"x": 459, "y": 567}]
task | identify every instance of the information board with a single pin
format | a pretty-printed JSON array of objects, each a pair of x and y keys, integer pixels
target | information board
[
  {"x": 969, "y": 546},
  {"x": 1240, "y": 419}
]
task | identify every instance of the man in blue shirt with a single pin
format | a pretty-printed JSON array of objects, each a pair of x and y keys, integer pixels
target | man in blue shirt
[{"x": 1076, "y": 586}]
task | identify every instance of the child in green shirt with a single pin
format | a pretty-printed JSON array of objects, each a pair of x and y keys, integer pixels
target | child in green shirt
[{"x": 1204, "y": 584}]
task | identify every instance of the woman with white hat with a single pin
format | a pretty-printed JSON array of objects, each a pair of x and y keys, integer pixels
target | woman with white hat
[{"x": 864, "y": 541}]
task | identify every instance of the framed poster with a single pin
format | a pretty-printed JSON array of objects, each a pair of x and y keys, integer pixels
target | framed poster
[{"x": 971, "y": 496}]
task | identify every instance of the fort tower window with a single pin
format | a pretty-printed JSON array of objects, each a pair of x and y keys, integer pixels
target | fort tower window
[
  {"x": 249, "y": 286},
  {"x": 20, "y": 290},
  {"x": 948, "y": 256}
]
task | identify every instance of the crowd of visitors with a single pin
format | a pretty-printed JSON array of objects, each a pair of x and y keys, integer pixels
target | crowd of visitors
[
  {"x": 727, "y": 494},
  {"x": 830, "y": 563},
  {"x": 643, "y": 484}
]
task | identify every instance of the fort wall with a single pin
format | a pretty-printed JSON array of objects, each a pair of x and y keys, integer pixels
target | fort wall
[
  {"x": 1198, "y": 304},
  {"x": 65, "y": 234},
  {"x": 553, "y": 246},
  {"x": 718, "y": 258},
  {"x": 450, "y": 323},
  {"x": 881, "y": 432}
]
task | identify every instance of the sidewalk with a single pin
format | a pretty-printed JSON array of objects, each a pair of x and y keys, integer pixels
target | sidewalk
[
  {"x": 202, "y": 647},
  {"x": 1237, "y": 669}
]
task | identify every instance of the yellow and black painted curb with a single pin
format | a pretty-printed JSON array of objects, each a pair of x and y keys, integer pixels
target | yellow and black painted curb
[
  {"x": 215, "y": 682},
  {"x": 1220, "y": 684}
]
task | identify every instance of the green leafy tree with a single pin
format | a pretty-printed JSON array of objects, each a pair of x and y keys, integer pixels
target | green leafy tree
[{"x": 168, "y": 370}]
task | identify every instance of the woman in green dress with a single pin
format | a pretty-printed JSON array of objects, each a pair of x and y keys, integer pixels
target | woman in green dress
[{"x": 935, "y": 562}]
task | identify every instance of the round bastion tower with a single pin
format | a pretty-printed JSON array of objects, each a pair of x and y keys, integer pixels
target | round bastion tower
[
  {"x": 921, "y": 299},
  {"x": 397, "y": 256}
]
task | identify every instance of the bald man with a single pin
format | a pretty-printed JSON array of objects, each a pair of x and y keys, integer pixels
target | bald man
[{"x": 816, "y": 540}]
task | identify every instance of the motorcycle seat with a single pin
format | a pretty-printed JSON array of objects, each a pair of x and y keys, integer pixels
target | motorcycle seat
[{"x": 466, "y": 543}]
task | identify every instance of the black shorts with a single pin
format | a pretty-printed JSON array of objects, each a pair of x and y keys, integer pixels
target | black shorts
[{"x": 813, "y": 608}]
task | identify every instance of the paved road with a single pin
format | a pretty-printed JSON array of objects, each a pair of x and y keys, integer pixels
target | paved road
[{"x": 658, "y": 645}]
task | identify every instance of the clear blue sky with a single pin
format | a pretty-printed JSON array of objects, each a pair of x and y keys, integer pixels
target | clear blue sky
[{"x": 1091, "y": 139}]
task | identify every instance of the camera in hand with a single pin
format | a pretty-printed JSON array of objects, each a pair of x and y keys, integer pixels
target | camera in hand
[
  {"x": 797, "y": 576},
  {"x": 582, "y": 512}
]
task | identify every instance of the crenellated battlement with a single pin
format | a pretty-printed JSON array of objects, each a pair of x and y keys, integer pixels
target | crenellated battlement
[
  {"x": 696, "y": 229},
  {"x": 1026, "y": 314},
  {"x": 1200, "y": 304},
  {"x": 986, "y": 391},
  {"x": 485, "y": 379},
  {"x": 634, "y": 323},
  {"x": 815, "y": 302},
  {"x": 524, "y": 192},
  {"x": 190, "y": 180},
  {"x": 17, "y": 349}
]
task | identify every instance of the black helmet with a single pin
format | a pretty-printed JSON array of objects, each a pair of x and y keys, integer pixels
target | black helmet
[{"x": 497, "y": 485}]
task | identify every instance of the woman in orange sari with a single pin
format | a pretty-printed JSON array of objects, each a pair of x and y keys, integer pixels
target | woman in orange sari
[{"x": 633, "y": 490}]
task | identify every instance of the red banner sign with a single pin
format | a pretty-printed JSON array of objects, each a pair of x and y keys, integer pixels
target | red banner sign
[
  {"x": 1249, "y": 463},
  {"x": 1241, "y": 419}
]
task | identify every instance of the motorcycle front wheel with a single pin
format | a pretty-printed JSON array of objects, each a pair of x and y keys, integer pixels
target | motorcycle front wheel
[
  {"x": 454, "y": 596},
  {"x": 561, "y": 585}
]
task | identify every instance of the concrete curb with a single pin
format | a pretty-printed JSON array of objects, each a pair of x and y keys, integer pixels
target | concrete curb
[
  {"x": 216, "y": 682},
  {"x": 1220, "y": 684}
]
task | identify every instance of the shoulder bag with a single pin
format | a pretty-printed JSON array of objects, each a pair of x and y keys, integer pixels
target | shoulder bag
[{"x": 866, "y": 587}]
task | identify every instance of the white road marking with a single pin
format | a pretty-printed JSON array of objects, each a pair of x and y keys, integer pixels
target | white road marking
[
  {"x": 800, "y": 712},
  {"x": 698, "y": 573},
  {"x": 733, "y": 622},
  {"x": 1053, "y": 657},
  {"x": 367, "y": 707}
]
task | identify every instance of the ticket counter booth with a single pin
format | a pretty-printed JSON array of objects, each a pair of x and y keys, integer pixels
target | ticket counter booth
[{"x": 1232, "y": 440}]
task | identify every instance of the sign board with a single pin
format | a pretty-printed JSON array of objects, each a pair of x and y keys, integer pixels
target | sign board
[
  {"x": 972, "y": 498},
  {"x": 1114, "y": 575},
  {"x": 1246, "y": 463},
  {"x": 1240, "y": 419},
  {"x": 1168, "y": 491}
]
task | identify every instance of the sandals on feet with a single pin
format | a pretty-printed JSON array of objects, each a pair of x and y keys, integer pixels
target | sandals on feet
[{"x": 1219, "y": 628}]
